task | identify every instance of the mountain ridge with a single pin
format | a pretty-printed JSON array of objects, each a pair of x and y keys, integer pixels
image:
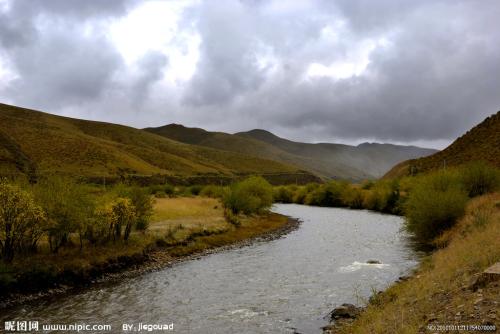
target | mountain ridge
[
  {"x": 58, "y": 144},
  {"x": 328, "y": 160}
]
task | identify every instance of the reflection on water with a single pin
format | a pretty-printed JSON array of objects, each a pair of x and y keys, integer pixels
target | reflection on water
[{"x": 269, "y": 287}]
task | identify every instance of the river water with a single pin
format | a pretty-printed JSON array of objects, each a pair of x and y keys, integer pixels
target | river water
[{"x": 282, "y": 286}]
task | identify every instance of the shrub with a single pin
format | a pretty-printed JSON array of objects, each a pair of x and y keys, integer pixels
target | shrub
[
  {"x": 212, "y": 191},
  {"x": 478, "y": 178},
  {"x": 100, "y": 231},
  {"x": 143, "y": 207},
  {"x": 283, "y": 195},
  {"x": 329, "y": 194},
  {"x": 122, "y": 215},
  {"x": 195, "y": 190},
  {"x": 252, "y": 195},
  {"x": 68, "y": 207},
  {"x": 169, "y": 190},
  {"x": 434, "y": 205},
  {"x": 352, "y": 197},
  {"x": 383, "y": 197},
  {"x": 161, "y": 191},
  {"x": 299, "y": 197},
  {"x": 367, "y": 184},
  {"x": 160, "y": 194}
]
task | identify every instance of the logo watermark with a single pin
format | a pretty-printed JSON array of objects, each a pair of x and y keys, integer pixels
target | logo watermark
[
  {"x": 26, "y": 326},
  {"x": 141, "y": 327}
]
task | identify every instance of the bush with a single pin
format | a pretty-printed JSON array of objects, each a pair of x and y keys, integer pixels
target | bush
[
  {"x": 478, "y": 178},
  {"x": 299, "y": 197},
  {"x": 68, "y": 206},
  {"x": 367, "y": 184},
  {"x": 283, "y": 195},
  {"x": 123, "y": 214},
  {"x": 212, "y": 191},
  {"x": 160, "y": 194},
  {"x": 352, "y": 197},
  {"x": 195, "y": 190},
  {"x": 329, "y": 194},
  {"x": 143, "y": 207},
  {"x": 162, "y": 191},
  {"x": 383, "y": 196},
  {"x": 434, "y": 205},
  {"x": 252, "y": 195}
]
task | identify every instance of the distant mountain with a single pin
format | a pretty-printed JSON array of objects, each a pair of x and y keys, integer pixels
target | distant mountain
[
  {"x": 326, "y": 160},
  {"x": 482, "y": 142},
  {"x": 34, "y": 142}
]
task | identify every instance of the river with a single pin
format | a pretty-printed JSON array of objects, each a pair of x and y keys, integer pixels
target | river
[{"x": 282, "y": 286}]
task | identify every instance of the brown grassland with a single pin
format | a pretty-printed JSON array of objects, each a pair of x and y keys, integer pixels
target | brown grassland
[{"x": 481, "y": 143}]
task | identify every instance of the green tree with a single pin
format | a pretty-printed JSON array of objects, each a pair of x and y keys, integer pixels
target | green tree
[
  {"x": 68, "y": 206},
  {"x": 143, "y": 206},
  {"x": 252, "y": 195},
  {"x": 122, "y": 216}
]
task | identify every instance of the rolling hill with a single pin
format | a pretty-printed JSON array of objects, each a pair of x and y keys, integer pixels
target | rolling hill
[
  {"x": 482, "y": 142},
  {"x": 33, "y": 142},
  {"x": 326, "y": 160}
]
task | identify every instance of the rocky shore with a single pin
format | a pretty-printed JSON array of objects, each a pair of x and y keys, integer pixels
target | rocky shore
[
  {"x": 124, "y": 267},
  {"x": 483, "y": 290}
]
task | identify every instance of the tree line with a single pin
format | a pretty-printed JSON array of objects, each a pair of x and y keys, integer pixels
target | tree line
[{"x": 60, "y": 210}]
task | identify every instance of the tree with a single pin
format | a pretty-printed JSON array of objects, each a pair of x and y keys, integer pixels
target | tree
[
  {"x": 143, "y": 205},
  {"x": 21, "y": 221},
  {"x": 252, "y": 195},
  {"x": 68, "y": 206},
  {"x": 123, "y": 215}
]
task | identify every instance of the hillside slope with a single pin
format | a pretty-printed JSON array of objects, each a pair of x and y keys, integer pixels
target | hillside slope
[
  {"x": 257, "y": 148},
  {"x": 53, "y": 144},
  {"x": 326, "y": 160},
  {"x": 482, "y": 142}
]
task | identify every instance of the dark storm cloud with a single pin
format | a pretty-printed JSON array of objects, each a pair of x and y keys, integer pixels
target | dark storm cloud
[
  {"x": 435, "y": 78},
  {"x": 227, "y": 65},
  {"x": 57, "y": 61},
  {"x": 58, "y": 71},
  {"x": 18, "y": 23},
  {"x": 432, "y": 72},
  {"x": 150, "y": 67}
]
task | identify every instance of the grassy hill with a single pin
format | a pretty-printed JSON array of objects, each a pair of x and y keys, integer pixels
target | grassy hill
[
  {"x": 37, "y": 142},
  {"x": 326, "y": 160},
  {"x": 480, "y": 143}
]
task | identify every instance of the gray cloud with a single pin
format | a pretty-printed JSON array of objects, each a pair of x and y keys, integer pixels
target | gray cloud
[
  {"x": 58, "y": 71},
  {"x": 432, "y": 73},
  {"x": 435, "y": 80},
  {"x": 151, "y": 66}
]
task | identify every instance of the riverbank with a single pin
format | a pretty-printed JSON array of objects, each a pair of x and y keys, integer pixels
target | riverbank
[
  {"x": 182, "y": 229},
  {"x": 446, "y": 289}
]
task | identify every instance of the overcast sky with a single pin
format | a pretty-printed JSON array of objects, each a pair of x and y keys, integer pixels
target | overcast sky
[{"x": 404, "y": 71}]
